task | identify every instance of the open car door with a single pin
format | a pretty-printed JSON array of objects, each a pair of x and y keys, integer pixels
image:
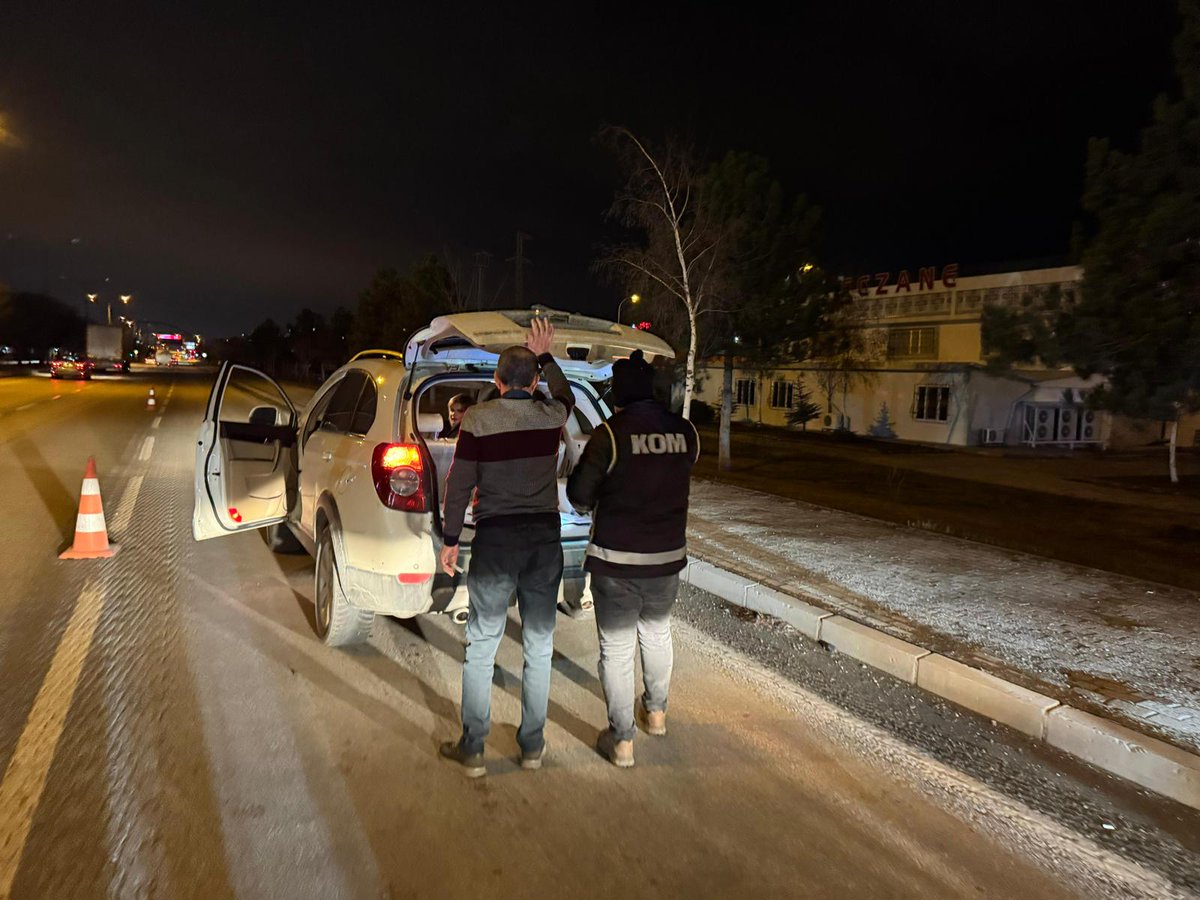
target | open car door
[{"x": 245, "y": 474}]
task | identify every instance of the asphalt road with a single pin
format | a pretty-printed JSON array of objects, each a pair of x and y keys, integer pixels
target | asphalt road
[{"x": 170, "y": 727}]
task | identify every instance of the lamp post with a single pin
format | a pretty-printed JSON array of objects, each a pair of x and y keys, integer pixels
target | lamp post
[
  {"x": 124, "y": 298},
  {"x": 632, "y": 298}
]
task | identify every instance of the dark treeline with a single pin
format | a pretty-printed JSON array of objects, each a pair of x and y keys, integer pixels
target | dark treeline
[
  {"x": 388, "y": 311},
  {"x": 34, "y": 324}
]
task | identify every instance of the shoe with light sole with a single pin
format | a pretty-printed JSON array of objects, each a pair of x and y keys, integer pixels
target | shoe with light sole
[
  {"x": 619, "y": 753},
  {"x": 532, "y": 760},
  {"x": 654, "y": 722},
  {"x": 472, "y": 763}
]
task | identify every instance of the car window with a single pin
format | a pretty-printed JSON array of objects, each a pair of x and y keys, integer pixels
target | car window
[
  {"x": 340, "y": 411},
  {"x": 317, "y": 415},
  {"x": 364, "y": 412}
]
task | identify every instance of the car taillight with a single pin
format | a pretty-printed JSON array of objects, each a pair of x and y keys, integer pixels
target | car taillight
[{"x": 398, "y": 471}]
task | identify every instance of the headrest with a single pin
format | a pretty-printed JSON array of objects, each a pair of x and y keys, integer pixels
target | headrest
[{"x": 430, "y": 423}]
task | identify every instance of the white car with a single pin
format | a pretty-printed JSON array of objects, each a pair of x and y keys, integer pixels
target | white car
[{"x": 356, "y": 478}]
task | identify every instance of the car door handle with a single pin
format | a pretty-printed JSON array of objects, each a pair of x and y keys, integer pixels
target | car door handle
[{"x": 327, "y": 456}]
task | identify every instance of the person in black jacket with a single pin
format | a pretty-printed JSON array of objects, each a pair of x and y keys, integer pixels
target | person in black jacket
[{"x": 634, "y": 477}]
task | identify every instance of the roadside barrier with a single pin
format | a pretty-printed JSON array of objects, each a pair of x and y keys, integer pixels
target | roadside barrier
[
  {"x": 150, "y": 404},
  {"x": 91, "y": 533}
]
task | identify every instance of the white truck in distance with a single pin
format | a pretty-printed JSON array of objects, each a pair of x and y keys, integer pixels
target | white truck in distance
[{"x": 106, "y": 347}]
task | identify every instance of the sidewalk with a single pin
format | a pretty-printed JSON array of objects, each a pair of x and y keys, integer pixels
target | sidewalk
[{"x": 1122, "y": 648}]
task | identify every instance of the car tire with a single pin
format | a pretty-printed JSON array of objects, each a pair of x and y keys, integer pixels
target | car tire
[
  {"x": 279, "y": 539},
  {"x": 338, "y": 622}
]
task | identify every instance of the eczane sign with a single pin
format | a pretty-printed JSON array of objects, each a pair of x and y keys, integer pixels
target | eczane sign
[{"x": 882, "y": 283}]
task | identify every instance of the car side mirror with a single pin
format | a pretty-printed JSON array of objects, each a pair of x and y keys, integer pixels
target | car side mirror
[{"x": 264, "y": 415}]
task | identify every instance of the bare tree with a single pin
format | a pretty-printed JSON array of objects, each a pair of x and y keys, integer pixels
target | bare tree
[
  {"x": 660, "y": 199},
  {"x": 843, "y": 355}
]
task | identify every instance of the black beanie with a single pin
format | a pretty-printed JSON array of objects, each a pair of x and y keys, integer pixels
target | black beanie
[{"x": 633, "y": 380}]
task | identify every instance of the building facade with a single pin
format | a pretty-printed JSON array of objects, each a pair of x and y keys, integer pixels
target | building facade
[{"x": 919, "y": 373}]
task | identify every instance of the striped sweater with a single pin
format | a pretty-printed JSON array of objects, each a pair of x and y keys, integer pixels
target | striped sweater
[{"x": 507, "y": 453}]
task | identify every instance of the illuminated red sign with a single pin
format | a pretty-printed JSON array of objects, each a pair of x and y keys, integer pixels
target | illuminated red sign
[
  {"x": 881, "y": 283},
  {"x": 169, "y": 337}
]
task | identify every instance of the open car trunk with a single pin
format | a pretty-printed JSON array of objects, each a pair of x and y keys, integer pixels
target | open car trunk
[
  {"x": 580, "y": 342},
  {"x": 429, "y": 404}
]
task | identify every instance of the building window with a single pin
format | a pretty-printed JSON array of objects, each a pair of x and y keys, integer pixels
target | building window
[
  {"x": 783, "y": 395},
  {"x": 912, "y": 343},
  {"x": 931, "y": 404},
  {"x": 743, "y": 392}
]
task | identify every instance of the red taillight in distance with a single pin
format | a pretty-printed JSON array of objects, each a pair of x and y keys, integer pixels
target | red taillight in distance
[{"x": 398, "y": 471}]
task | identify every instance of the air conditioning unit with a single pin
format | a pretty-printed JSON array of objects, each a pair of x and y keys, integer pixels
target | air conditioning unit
[
  {"x": 1066, "y": 425},
  {"x": 1090, "y": 430},
  {"x": 991, "y": 435}
]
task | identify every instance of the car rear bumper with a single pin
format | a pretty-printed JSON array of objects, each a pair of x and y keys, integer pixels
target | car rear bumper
[{"x": 383, "y": 592}]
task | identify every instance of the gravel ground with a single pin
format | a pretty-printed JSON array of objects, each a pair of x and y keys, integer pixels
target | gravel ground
[
  {"x": 1161, "y": 835},
  {"x": 1131, "y": 651}
]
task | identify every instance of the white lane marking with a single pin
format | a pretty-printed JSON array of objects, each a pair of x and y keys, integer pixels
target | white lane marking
[
  {"x": 56, "y": 397},
  {"x": 124, "y": 513},
  {"x": 25, "y": 778},
  {"x": 147, "y": 448},
  {"x": 156, "y": 422},
  {"x": 26, "y": 406}
]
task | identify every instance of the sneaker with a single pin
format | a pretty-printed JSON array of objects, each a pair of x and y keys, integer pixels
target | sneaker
[
  {"x": 532, "y": 759},
  {"x": 655, "y": 722},
  {"x": 619, "y": 753},
  {"x": 472, "y": 763}
]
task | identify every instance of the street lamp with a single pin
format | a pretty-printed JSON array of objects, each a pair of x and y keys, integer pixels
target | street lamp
[
  {"x": 125, "y": 298},
  {"x": 632, "y": 298}
]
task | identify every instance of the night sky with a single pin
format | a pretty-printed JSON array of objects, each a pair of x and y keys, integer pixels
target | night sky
[{"x": 224, "y": 164}]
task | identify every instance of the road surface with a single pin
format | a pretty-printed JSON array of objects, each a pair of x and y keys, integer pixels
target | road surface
[{"x": 170, "y": 727}]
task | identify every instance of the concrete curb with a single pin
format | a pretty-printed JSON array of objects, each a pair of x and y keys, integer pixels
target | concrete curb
[{"x": 1144, "y": 760}]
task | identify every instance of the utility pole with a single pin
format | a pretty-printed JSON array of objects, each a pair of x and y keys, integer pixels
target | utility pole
[{"x": 521, "y": 263}]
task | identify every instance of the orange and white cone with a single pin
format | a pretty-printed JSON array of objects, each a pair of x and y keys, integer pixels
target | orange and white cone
[
  {"x": 150, "y": 400},
  {"x": 91, "y": 534}
]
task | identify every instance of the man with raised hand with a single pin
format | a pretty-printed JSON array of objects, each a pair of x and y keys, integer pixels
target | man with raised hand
[
  {"x": 507, "y": 454},
  {"x": 635, "y": 474}
]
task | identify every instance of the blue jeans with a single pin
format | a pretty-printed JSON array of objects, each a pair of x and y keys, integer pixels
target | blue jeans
[{"x": 525, "y": 558}]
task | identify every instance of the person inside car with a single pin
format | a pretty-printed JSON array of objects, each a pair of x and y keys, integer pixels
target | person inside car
[{"x": 455, "y": 410}]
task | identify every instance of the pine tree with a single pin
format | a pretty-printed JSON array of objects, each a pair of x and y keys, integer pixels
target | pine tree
[
  {"x": 883, "y": 425},
  {"x": 1138, "y": 320},
  {"x": 805, "y": 409}
]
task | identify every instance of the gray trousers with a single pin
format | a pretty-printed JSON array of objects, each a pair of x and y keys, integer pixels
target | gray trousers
[{"x": 629, "y": 612}]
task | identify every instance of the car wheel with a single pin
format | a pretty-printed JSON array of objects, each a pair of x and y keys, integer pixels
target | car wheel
[
  {"x": 281, "y": 540},
  {"x": 338, "y": 622}
]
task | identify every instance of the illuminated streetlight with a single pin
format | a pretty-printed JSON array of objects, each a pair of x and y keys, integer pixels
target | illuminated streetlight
[{"x": 632, "y": 298}]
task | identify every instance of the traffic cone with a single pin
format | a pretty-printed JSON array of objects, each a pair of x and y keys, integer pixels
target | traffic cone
[
  {"x": 150, "y": 400},
  {"x": 91, "y": 534}
]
